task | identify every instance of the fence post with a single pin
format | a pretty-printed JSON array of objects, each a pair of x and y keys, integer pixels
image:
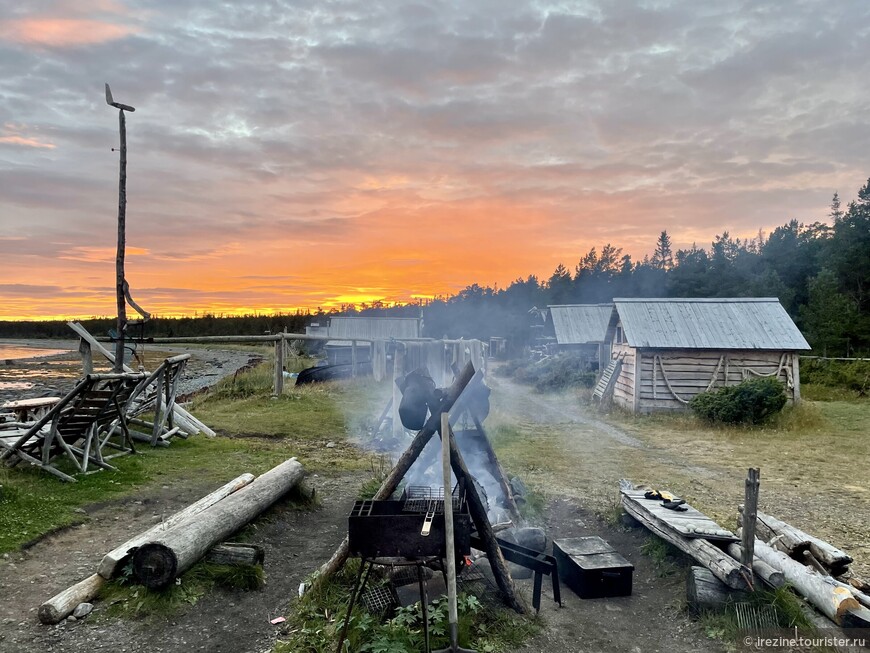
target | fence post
[{"x": 279, "y": 367}]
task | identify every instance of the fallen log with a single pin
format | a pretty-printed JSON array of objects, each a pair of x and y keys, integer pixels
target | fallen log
[
  {"x": 764, "y": 571},
  {"x": 402, "y": 466},
  {"x": 797, "y": 541},
  {"x": 706, "y": 593},
  {"x": 60, "y": 606},
  {"x": 230, "y": 553},
  {"x": 831, "y": 598},
  {"x": 113, "y": 561},
  {"x": 723, "y": 566},
  {"x": 170, "y": 553}
]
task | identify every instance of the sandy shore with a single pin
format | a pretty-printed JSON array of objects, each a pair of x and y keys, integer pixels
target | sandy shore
[{"x": 54, "y": 375}]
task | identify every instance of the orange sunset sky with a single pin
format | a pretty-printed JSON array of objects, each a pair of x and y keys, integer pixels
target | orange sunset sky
[{"x": 310, "y": 153}]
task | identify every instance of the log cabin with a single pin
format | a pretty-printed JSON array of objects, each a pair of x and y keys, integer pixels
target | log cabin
[{"x": 665, "y": 351}]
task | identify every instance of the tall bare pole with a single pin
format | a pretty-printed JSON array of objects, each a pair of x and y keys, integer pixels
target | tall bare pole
[{"x": 122, "y": 231}]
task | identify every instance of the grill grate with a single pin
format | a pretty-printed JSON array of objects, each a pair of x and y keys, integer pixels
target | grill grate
[{"x": 424, "y": 499}]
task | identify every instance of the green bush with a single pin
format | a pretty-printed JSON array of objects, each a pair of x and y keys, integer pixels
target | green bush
[
  {"x": 849, "y": 375},
  {"x": 751, "y": 402}
]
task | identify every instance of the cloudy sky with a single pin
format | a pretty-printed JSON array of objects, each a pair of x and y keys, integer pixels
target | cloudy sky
[{"x": 311, "y": 152}]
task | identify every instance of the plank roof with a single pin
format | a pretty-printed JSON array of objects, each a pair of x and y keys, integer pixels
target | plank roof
[
  {"x": 345, "y": 329},
  {"x": 578, "y": 324},
  {"x": 717, "y": 323}
]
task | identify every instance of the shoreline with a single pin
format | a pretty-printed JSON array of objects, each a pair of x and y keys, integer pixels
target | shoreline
[{"x": 55, "y": 374}]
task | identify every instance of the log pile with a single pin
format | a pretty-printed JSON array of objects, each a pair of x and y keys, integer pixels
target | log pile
[
  {"x": 811, "y": 566},
  {"x": 185, "y": 538}
]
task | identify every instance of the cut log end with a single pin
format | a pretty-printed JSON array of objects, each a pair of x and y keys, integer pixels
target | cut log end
[{"x": 154, "y": 565}]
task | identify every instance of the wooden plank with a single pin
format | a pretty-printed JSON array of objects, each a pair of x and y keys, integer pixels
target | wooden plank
[{"x": 723, "y": 566}]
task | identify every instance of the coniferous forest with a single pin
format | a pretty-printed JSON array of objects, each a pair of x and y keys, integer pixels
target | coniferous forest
[{"x": 820, "y": 272}]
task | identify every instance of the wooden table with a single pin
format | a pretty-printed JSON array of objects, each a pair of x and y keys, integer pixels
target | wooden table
[{"x": 29, "y": 410}]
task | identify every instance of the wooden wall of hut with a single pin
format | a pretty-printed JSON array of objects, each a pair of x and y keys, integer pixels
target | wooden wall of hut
[{"x": 668, "y": 379}]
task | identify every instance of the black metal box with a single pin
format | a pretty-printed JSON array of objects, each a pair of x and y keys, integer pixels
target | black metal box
[
  {"x": 592, "y": 568},
  {"x": 382, "y": 529}
]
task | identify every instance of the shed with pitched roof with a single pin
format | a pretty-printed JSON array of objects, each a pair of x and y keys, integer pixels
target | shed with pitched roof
[{"x": 666, "y": 351}]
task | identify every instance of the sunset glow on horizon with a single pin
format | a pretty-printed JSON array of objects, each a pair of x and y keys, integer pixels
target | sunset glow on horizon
[{"x": 310, "y": 155}]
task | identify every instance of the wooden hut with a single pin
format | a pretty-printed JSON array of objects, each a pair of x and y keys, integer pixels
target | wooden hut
[
  {"x": 666, "y": 351},
  {"x": 581, "y": 329}
]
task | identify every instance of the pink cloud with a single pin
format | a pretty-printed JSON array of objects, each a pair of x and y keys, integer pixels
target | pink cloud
[
  {"x": 62, "y": 32},
  {"x": 24, "y": 141}
]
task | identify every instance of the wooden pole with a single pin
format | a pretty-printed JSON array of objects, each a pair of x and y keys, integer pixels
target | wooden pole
[
  {"x": 402, "y": 466},
  {"x": 834, "y": 601},
  {"x": 750, "y": 512},
  {"x": 279, "y": 368},
  {"x": 398, "y": 371},
  {"x": 122, "y": 245},
  {"x": 353, "y": 359}
]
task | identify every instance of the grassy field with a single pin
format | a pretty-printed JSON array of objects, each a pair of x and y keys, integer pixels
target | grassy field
[{"x": 255, "y": 432}]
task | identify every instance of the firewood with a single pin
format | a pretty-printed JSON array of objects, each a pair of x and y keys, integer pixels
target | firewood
[
  {"x": 764, "y": 571},
  {"x": 797, "y": 541},
  {"x": 170, "y": 553},
  {"x": 60, "y": 606}
]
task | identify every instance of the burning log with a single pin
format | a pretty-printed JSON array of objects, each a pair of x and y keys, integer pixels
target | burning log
[
  {"x": 113, "y": 560},
  {"x": 481, "y": 521},
  {"x": 170, "y": 553}
]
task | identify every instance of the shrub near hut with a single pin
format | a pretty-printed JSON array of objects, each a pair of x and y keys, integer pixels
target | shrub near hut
[{"x": 751, "y": 402}]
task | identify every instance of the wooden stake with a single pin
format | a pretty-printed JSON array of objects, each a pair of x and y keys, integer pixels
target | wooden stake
[{"x": 750, "y": 512}]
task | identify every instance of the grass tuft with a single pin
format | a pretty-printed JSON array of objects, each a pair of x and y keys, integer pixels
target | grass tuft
[{"x": 137, "y": 601}]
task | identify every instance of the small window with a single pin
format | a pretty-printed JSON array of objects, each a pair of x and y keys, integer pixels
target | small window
[{"x": 620, "y": 339}]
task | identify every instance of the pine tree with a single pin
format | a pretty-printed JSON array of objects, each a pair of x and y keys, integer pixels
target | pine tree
[
  {"x": 663, "y": 258},
  {"x": 836, "y": 212}
]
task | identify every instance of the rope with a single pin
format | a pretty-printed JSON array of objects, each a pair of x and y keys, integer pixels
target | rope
[{"x": 657, "y": 361}]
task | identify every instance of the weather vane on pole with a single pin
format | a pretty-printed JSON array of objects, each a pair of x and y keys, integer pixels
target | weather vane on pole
[{"x": 122, "y": 238}]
